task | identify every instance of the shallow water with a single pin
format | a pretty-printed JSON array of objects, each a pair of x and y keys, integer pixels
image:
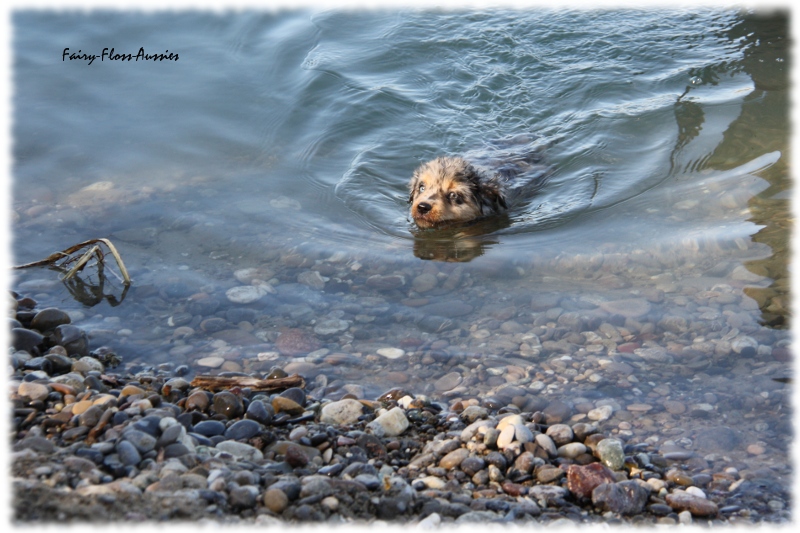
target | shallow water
[{"x": 284, "y": 143}]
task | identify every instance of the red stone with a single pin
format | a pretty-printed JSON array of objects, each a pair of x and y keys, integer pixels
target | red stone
[
  {"x": 628, "y": 347},
  {"x": 582, "y": 480}
]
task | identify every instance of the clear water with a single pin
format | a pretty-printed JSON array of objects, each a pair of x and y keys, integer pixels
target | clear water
[{"x": 285, "y": 142}]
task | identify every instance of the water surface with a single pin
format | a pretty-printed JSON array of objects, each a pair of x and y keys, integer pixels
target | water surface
[{"x": 283, "y": 142}]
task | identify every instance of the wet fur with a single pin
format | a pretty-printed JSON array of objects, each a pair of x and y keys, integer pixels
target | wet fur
[{"x": 450, "y": 190}]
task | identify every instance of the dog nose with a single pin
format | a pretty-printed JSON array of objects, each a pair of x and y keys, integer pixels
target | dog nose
[{"x": 423, "y": 207}]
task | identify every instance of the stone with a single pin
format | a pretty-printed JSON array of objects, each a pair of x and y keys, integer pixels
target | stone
[
  {"x": 629, "y": 308},
  {"x": 287, "y": 405},
  {"x": 243, "y": 430},
  {"x": 560, "y": 433},
  {"x": 683, "y": 501},
  {"x": 342, "y": 412},
  {"x": 582, "y": 480},
  {"x": 294, "y": 342},
  {"x": 471, "y": 465},
  {"x": 245, "y": 294},
  {"x": 611, "y": 453},
  {"x": 600, "y": 414},
  {"x": 625, "y": 497},
  {"x": 390, "y": 424},
  {"x": 209, "y": 428},
  {"x": 547, "y": 494},
  {"x": 260, "y": 412},
  {"x": 454, "y": 458},
  {"x": 424, "y": 283},
  {"x": 240, "y": 450},
  {"x": 275, "y": 500},
  {"x": 33, "y": 391},
  {"x": 571, "y": 450},
  {"x": 391, "y": 353},
  {"x": 330, "y": 327},
  {"x": 141, "y": 440},
  {"x": 547, "y": 444},
  {"x": 49, "y": 318},
  {"x": 447, "y": 382}
]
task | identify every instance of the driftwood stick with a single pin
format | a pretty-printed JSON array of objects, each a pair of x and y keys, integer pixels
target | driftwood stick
[
  {"x": 215, "y": 383},
  {"x": 53, "y": 258}
]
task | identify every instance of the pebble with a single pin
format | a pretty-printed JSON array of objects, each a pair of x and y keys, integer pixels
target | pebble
[
  {"x": 611, "y": 453},
  {"x": 391, "y": 353},
  {"x": 683, "y": 501},
  {"x": 33, "y": 391},
  {"x": 447, "y": 382},
  {"x": 245, "y": 294},
  {"x": 342, "y": 412},
  {"x": 240, "y": 450},
  {"x": 390, "y": 424}
]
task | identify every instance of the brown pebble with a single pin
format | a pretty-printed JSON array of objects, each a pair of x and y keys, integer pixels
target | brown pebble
[
  {"x": 275, "y": 500},
  {"x": 683, "y": 501}
]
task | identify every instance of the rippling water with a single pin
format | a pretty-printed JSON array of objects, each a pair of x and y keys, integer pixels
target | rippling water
[{"x": 285, "y": 142}]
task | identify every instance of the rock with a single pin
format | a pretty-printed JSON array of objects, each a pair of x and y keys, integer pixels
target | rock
[
  {"x": 447, "y": 382},
  {"x": 293, "y": 342},
  {"x": 49, "y": 318},
  {"x": 342, "y": 412},
  {"x": 240, "y": 450},
  {"x": 287, "y": 405},
  {"x": 243, "y": 497},
  {"x": 471, "y": 465},
  {"x": 683, "y": 501},
  {"x": 447, "y": 309},
  {"x": 72, "y": 338},
  {"x": 275, "y": 500},
  {"x": 582, "y": 480},
  {"x": 454, "y": 458},
  {"x": 611, "y": 453},
  {"x": 424, "y": 283},
  {"x": 312, "y": 278},
  {"x": 209, "y": 428},
  {"x": 560, "y": 433},
  {"x": 33, "y": 391},
  {"x": 389, "y": 424},
  {"x": 546, "y": 443},
  {"x": 556, "y": 412},
  {"x": 625, "y": 497},
  {"x": 243, "y": 430},
  {"x": 27, "y": 340},
  {"x": 141, "y": 440},
  {"x": 547, "y": 494},
  {"x": 629, "y": 308},
  {"x": 718, "y": 439},
  {"x": 245, "y": 294},
  {"x": 260, "y": 412},
  {"x": 386, "y": 283},
  {"x": 391, "y": 353},
  {"x": 330, "y": 327},
  {"x": 127, "y": 452},
  {"x": 228, "y": 404},
  {"x": 213, "y": 361},
  {"x": 571, "y": 450},
  {"x": 600, "y": 414}
]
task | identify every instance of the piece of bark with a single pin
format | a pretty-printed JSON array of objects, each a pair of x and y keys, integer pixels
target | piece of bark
[{"x": 216, "y": 383}]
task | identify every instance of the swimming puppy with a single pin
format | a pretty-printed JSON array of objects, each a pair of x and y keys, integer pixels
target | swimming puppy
[{"x": 450, "y": 190}]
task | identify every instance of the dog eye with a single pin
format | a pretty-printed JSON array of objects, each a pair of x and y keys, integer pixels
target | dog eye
[
  {"x": 455, "y": 197},
  {"x": 421, "y": 187}
]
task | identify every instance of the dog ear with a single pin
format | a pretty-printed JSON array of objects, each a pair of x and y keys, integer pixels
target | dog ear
[
  {"x": 413, "y": 188},
  {"x": 492, "y": 193}
]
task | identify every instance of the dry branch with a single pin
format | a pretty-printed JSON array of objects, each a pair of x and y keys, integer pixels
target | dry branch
[{"x": 216, "y": 383}]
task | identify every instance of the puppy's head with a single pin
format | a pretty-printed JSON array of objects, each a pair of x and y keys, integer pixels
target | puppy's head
[{"x": 448, "y": 189}]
